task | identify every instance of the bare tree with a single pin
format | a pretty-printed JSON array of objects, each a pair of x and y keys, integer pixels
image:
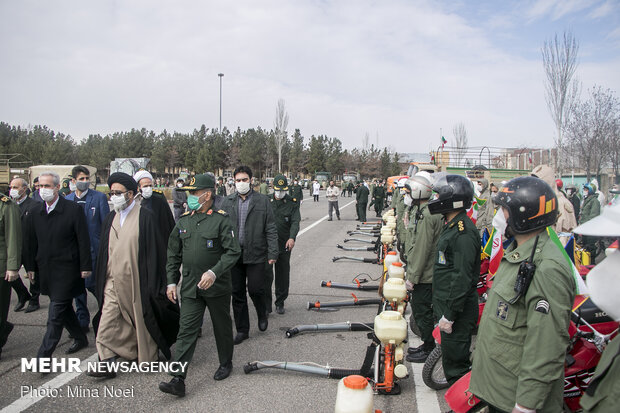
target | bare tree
[
  {"x": 365, "y": 141},
  {"x": 280, "y": 125},
  {"x": 460, "y": 140},
  {"x": 560, "y": 63},
  {"x": 590, "y": 129}
]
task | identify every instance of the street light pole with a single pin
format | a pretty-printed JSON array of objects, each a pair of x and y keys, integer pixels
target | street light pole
[{"x": 221, "y": 75}]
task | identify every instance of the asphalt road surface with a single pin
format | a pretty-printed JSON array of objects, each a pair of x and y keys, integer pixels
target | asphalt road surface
[{"x": 266, "y": 390}]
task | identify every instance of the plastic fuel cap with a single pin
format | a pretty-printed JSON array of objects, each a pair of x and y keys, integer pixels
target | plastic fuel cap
[
  {"x": 355, "y": 382},
  {"x": 398, "y": 264},
  {"x": 391, "y": 252}
]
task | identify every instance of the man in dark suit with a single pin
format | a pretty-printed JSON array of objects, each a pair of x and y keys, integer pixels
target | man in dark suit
[
  {"x": 96, "y": 208},
  {"x": 59, "y": 247},
  {"x": 252, "y": 218},
  {"x": 19, "y": 194},
  {"x": 35, "y": 193}
]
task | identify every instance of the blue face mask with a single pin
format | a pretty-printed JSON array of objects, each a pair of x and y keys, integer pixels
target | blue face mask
[{"x": 193, "y": 202}]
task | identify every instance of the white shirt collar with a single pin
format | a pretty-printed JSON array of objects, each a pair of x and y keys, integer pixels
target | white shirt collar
[
  {"x": 50, "y": 208},
  {"x": 125, "y": 212}
]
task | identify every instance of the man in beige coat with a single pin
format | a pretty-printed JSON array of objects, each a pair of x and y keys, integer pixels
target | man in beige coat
[{"x": 566, "y": 218}]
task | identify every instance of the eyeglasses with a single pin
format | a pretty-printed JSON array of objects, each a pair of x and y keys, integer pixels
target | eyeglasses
[{"x": 112, "y": 193}]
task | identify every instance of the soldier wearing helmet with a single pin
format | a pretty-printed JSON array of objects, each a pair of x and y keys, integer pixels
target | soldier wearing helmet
[
  {"x": 456, "y": 273},
  {"x": 399, "y": 209},
  {"x": 523, "y": 334},
  {"x": 422, "y": 234},
  {"x": 591, "y": 208}
]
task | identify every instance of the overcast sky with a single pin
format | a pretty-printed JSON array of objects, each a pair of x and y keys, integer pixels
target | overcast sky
[{"x": 398, "y": 70}]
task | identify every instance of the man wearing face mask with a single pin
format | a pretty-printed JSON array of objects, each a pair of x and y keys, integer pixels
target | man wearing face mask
[
  {"x": 66, "y": 187},
  {"x": 523, "y": 334},
  {"x": 35, "y": 193},
  {"x": 155, "y": 200},
  {"x": 58, "y": 248},
  {"x": 590, "y": 209},
  {"x": 423, "y": 234},
  {"x": 296, "y": 192},
  {"x": 19, "y": 194},
  {"x": 455, "y": 273},
  {"x": 204, "y": 243},
  {"x": 287, "y": 218},
  {"x": 135, "y": 319},
  {"x": 252, "y": 219},
  {"x": 95, "y": 207},
  {"x": 179, "y": 199},
  {"x": 604, "y": 286},
  {"x": 485, "y": 206}
]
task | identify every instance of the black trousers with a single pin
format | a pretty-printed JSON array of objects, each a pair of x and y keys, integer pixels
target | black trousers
[
  {"x": 283, "y": 278},
  {"x": 60, "y": 314},
  {"x": 81, "y": 307},
  {"x": 22, "y": 291},
  {"x": 5, "y": 302},
  {"x": 248, "y": 278}
]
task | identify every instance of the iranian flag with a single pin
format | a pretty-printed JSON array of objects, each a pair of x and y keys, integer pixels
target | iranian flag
[
  {"x": 580, "y": 285},
  {"x": 472, "y": 212},
  {"x": 495, "y": 250},
  {"x": 443, "y": 142}
]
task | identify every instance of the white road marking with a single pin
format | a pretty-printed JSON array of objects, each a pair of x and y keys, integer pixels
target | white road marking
[
  {"x": 426, "y": 398},
  {"x": 308, "y": 228}
]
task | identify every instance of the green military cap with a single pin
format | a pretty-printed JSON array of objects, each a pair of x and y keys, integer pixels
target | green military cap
[
  {"x": 280, "y": 183},
  {"x": 201, "y": 181}
]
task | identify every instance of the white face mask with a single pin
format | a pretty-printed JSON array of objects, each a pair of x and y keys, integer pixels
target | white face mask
[
  {"x": 72, "y": 187},
  {"x": 180, "y": 185},
  {"x": 408, "y": 200},
  {"x": 47, "y": 194},
  {"x": 14, "y": 194},
  {"x": 119, "y": 202},
  {"x": 604, "y": 285},
  {"x": 499, "y": 221},
  {"x": 242, "y": 187},
  {"x": 279, "y": 194},
  {"x": 479, "y": 187},
  {"x": 147, "y": 191}
]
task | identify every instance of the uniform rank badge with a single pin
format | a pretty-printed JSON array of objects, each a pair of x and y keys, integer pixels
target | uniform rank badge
[
  {"x": 442, "y": 258},
  {"x": 285, "y": 219},
  {"x": 209, "y": 243},
  {"x": 502, "y": 310}
]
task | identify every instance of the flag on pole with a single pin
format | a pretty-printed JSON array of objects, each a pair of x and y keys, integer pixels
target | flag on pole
[
  {"x": 432, "y": 157},
  {"x": 570, "y": 248},
  {"x": 443, "y": 142},
  {"x": 529, "y": 157},
  {"x": 579, "y": 283}
]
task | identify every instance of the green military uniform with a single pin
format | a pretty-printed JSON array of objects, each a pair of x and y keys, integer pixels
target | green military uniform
[
  {"x": 400, "y": 210},
  {"x": 521, "y": 347},
  {"x": 263, "y": 188},
  {"x": 10, "y": 259},
  {"x": 423, "y": 233},
  {"x": 350, "y": 188},
  {"x": 64, "y": 187},
  {"x": 603, "y": 391},
  {"x": 287, "y": 217},
  {"x": 361, "y": 198},
  {"x": 455, "y": 276},
  {"x": 202, "y": 242},
  {"x": 378, "y": 195},
  {"x": 296, "y": 193},
  {"x": 221, "y": 188}
]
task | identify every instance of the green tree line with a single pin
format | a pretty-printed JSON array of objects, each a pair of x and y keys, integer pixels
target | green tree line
[{"x": 199, "y": 151}]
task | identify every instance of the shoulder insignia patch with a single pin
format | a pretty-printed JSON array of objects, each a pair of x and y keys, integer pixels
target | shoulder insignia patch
[
  {"x": 542, "y": 306},
  {"x": 461, "y": 226},
  {"x": 158, "y": 191},
  {"x": 186, "y": 213},
  {"x": 4, "y": 198},
  {"x": 222, "y": 212}
]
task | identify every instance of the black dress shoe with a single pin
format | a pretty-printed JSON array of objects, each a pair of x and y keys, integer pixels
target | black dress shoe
[
  {"x": 76, "y": 346},
  {"x": 263, "y": 323},
  {"x": 176, "y": 386},
  {"x": 419, "y": 357},
  {"x": 413, "y": 350},
  {"x": 105, "y": 373},
  {"x": 32, "y": 307},
  {"x": 223, "y": 371},
  {"x": 240, "y": 337},
  {"x": 20, "y": 305},
  {"x": 4, "y": 333},
  {"x": 280, "y": 309}
]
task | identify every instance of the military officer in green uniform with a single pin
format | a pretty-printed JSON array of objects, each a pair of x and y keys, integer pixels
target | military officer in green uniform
[
  {"x": 523, "y": 335},
  {"x": 361, "y": 199},
  {"x": 287, "y": 217},
  {"x": 10, "y": 261},
  {"x": 456, "y": 273},
  {"x": 221, "y": 189},
  {"x": 590, "y": 209},
  {"x": 296, "y": 193},
  {"x": 603, "y": 281},
  {"x": 423, "y": 233},
  {"x": 64, "y": 187},
  {"x": 399, "y": 209},
  {"x": 202, "y": 241},
  {"x": 378, "y": 197}
]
